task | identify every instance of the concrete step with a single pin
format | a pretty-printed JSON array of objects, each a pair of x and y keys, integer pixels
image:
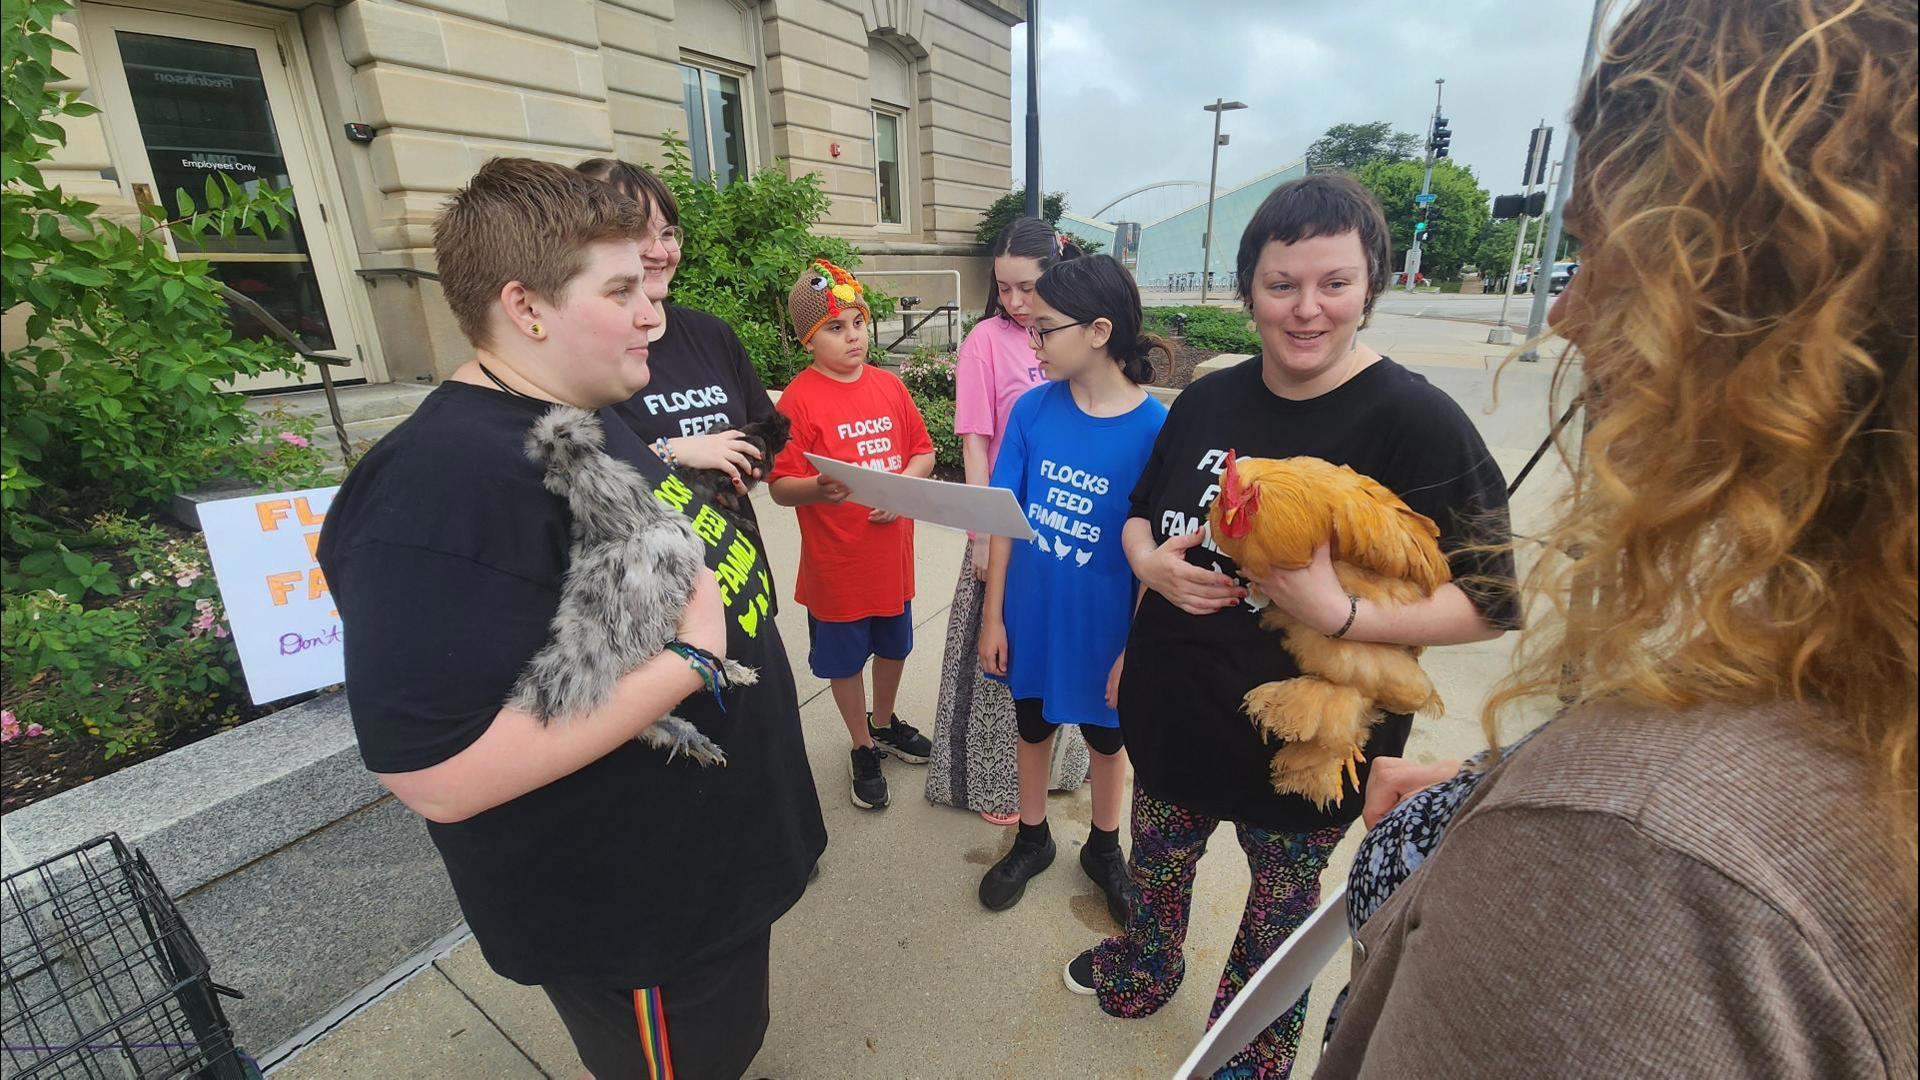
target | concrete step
[{"x": 377, "y": 401}]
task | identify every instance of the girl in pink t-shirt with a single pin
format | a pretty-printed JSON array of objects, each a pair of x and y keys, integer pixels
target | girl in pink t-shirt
[{"x": 974, "y": 731}]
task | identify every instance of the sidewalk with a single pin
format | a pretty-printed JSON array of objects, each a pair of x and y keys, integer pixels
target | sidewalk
[{"x": 889, "y": 967}]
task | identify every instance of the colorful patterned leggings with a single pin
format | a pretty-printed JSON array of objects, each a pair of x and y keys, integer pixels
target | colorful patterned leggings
[{"x": 1138, "y": 972}]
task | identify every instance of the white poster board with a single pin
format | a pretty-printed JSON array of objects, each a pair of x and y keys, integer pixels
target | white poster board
[
  {"x": 1287, "y": 974},
  {"x": 283, "y": 617},
  {"x": 989, "y": 511}
]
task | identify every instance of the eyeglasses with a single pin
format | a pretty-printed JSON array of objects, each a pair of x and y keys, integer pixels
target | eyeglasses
[
  {"x": 1038, "y": 337},
  {"x": 669, "y": 237}
]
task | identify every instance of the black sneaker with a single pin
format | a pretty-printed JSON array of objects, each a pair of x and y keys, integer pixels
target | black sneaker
[
  {"x": 1108, "y": 869},
  {"x": 1079, "y": 974},
  {"x": 1006, "y": 881},
  {"x": 869, "y": 786},
  {"x": 901, "y": 739}
]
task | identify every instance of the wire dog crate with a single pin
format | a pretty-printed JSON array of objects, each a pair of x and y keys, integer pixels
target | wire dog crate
[{"x": 100, "y": 977}]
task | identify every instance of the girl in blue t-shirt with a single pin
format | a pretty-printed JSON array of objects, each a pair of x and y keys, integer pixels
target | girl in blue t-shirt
[{"x": 1054, "y": 622}]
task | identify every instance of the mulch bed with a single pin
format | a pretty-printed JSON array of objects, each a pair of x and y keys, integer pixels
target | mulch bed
[{"x": 35, "y": 769}]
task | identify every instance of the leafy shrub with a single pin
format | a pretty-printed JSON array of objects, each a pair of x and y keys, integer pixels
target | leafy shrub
[
  {"x": 929, "y": 373},
  {"x": 116, "y": 398},
  {"x": 743, "y": 245},
  {"x": 153, "y": 658},
  {"x": 1221, "y": 329},
  {"x": 937, "y": 411}
]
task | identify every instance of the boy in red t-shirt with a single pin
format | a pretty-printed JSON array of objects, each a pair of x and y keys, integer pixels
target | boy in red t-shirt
[{"x": 856, "y": 564}]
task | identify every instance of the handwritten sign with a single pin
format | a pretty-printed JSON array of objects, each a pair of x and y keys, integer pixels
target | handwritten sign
[{"x": 284, "y": 620}]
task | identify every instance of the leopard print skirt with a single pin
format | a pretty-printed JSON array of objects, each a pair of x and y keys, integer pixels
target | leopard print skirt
[{"x": 974, "y": 735}]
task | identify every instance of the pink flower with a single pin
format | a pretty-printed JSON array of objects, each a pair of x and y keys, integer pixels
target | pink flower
[
  {"x": 291, "y": 439},
  {"x": 9, "y": 726},
  {"x": 34, "y": 731},
  {"x": 187, "y": 578}
]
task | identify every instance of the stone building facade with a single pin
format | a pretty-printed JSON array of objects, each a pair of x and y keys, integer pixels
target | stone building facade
[{"x": 375, "y": 110}]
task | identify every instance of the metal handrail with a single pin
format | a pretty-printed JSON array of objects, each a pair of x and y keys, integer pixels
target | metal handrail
[
  {"x": 325, "y": 361},
  {"x": 404, "y": 273}
]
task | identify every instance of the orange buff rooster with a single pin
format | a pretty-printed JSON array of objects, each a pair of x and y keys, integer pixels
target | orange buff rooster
[{"x": 1275, "y": 514}]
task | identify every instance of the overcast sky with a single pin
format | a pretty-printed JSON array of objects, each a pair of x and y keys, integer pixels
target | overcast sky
[{"x": 1122, "y": 83}]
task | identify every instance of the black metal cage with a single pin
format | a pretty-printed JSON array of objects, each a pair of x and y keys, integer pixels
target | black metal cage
[{"x": 100, "y": 977}]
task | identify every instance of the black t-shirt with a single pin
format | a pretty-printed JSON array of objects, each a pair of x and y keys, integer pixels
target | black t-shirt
[
  {"x": 1180, "y": 696},
  {"x": 446, "y": 556},
  {"x": 702, "y": 381}
]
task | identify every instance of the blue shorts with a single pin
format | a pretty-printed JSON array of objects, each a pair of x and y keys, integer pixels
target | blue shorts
[{"x": 839, "y": 650}]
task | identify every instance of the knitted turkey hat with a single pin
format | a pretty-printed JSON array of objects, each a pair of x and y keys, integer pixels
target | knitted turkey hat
[{"x": 823, "y": 292}]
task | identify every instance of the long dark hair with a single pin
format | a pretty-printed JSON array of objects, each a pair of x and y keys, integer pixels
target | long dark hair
[
  {"x": 1098, "y": 287},
  {"x": 1025, "y": 238}
]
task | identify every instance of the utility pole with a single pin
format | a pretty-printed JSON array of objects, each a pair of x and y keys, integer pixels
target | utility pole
[
  {"x": 1537, "y": 148},
  {"x": 1033, "y": 108},
  {"x": 1537, "y": 318},
  {"x": 1437, "y": 134},
  {"x": 1220, "y": 105},
  {"x": 1540, "y": 234}
]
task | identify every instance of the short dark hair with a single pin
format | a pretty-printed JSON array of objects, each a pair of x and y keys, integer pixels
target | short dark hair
[
  {"x": 1323, "y": 204},
  {"x": 1098, "y": 287},
  {"x": 523, "y": 220},
  {"x": 636, "y": 182},
  {"x": 1025, "y": 238}
]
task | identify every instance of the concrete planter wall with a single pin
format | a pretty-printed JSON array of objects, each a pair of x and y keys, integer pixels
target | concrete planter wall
[{"x": 302, "y": 878}]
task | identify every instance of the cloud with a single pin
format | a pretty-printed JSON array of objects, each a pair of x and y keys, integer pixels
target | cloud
[{"x": 1123, "y": 82}]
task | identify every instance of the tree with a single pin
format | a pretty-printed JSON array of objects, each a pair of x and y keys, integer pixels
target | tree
[
  {"x": 1493, "y": 252},
  {"x": 1014, "y": 205},
  {"x": 1352, "y": 147},
  {"x": 1461, "y": 201},
  {"x": 749, "y": 240}
]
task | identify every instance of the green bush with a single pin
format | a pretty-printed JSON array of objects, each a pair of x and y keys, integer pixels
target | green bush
[
  {"x": 1217, "y": 328},
  {"x": 937, "y": 412},
  {"x": 110, "y": 625},
  {"x": 929, "y": 372},
  {"x": 743, "y": 245},
  {"x": 155, "y": 658}
]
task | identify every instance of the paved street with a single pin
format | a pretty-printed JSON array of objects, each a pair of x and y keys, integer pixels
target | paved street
[{"x": 889, "y": 967}]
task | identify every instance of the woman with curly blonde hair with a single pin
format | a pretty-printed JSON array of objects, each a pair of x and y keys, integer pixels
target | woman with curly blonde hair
[{"x": 1705, "y": 866}]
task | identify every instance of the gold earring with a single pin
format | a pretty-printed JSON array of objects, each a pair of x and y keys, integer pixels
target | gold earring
[{"x": 534, "y": 329}]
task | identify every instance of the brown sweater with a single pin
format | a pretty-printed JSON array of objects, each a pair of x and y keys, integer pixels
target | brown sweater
[{"x": 1646, "y": 894}]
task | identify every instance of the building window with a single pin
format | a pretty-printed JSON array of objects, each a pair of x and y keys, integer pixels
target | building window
[
  {"x": 886, "y": 166},
  {"x": 716, "y": 123}
]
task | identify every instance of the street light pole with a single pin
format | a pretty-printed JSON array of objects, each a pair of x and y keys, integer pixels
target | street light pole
[
  {"x": 1033, "y": 108},
  {"x": 1220, "y": 105},
  {"x": 1426, "y": 184}
]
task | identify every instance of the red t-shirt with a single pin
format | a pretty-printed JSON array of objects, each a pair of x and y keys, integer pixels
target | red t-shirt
[{"x": 850, "y": 568}]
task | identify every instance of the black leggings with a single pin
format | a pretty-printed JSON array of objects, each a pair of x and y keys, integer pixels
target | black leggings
[{"x": 1030, "y": 715}]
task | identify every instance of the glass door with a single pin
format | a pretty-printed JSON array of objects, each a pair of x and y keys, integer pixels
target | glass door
[{"x": 190, "y": 98}]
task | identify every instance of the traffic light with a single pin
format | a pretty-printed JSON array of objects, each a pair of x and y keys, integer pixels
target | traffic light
[
  {"x": 1537, "y": 203},
  {"x": 1442, "y": 136},
  {"x": 1508, "y": 206}
]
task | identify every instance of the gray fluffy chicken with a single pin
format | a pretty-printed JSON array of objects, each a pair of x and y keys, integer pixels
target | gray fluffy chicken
[{"x": 630, "y": 572}]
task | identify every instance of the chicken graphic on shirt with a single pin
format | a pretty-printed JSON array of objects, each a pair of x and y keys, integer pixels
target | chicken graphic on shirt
[
  {"x": 1082, "y": 558},
  {"x": 1061, "y": 549}
]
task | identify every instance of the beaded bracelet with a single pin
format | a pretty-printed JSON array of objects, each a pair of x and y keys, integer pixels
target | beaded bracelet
[
  {"x": 664, "y": 449},
  {"x": 1353, "y": 610}
]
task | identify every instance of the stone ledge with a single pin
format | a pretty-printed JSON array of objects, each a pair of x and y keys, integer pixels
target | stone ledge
[{"x": 208, "y": 809}]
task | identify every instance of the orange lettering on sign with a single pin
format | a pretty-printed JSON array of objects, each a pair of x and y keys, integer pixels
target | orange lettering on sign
[
  {"x": 313, "y": 546},
  {"x": 271, "y": 511},
  {"x": 316, "y": 584},
  {"x": 305, "y": 512},
  {"x": 281, "y": 584}
]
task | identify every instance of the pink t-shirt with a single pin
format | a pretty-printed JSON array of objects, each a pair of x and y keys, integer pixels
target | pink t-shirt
[{"x": 995, "y": 367}]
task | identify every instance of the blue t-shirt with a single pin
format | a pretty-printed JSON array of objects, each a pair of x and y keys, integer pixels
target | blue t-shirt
[{"x": 1069, "y": 596}]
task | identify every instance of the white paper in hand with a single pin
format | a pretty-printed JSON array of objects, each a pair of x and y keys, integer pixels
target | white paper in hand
[
  {"x": 988, "y": 511},
  {"x": 1287, "y": 974}
]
